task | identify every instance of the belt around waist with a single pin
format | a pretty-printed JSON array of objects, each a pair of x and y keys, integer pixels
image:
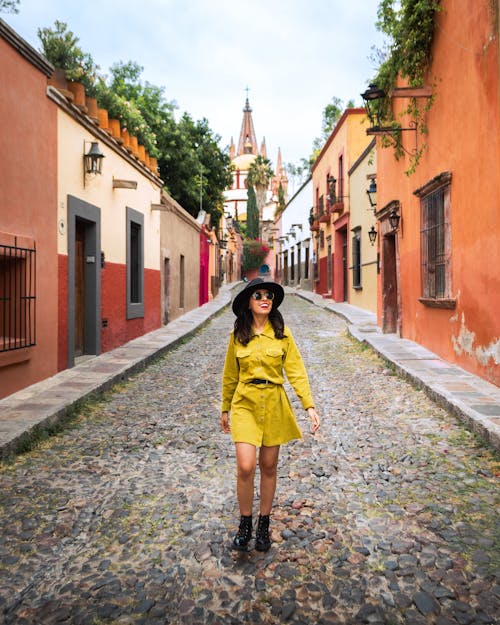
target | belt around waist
[{"x": 259, "y": 381}]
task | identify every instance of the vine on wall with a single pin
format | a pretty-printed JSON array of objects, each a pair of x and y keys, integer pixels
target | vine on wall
[{"x": 409, "y": 25}]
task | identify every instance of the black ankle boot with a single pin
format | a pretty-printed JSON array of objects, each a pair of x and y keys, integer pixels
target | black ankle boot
[
  {"x": 262, "y": 540},
  {"x": 242, "y": 538}
]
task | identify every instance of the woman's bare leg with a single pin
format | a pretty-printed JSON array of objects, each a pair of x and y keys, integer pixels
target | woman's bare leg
[
  {"x": 268, "y": 465},
  {"x": 246, "y": 463}
]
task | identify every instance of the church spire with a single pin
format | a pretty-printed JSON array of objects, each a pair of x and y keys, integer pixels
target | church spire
[{"x": 248, "y": 142}]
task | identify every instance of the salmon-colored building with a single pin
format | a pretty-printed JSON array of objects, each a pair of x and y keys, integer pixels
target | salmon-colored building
[
  {"x": 331, "y": 203},
  {"x": 28, "y": 226},
  {"x": 439, "y": 283}
]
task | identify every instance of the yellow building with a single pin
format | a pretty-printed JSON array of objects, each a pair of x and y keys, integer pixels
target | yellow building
[{"x": 332, "y": 204}]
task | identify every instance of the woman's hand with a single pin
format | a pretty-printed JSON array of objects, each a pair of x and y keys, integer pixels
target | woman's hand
[
  {"x": 224, "y": 422},
  {"x": 315, "y": 422}
]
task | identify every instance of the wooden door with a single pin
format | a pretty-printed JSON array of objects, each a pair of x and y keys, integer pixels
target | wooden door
[
  {"x": 79, "y": 288},
  {"x": 389, "y": 286}
]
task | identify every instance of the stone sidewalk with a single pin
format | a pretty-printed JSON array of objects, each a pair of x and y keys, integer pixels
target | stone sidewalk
[
  {"x": 46, "y": 403},
  {"x": 470, "y": 398}
]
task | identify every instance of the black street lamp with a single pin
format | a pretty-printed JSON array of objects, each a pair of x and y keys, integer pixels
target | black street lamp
[
  {"x": 371, "y": 192},
  {"x": 394, "y": 218}
]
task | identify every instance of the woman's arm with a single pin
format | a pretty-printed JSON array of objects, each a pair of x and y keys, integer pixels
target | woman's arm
[{"x": 230, "y": 375}]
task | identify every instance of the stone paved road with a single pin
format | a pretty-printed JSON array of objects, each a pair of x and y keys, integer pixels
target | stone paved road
[{"x": 388, "y": 515}]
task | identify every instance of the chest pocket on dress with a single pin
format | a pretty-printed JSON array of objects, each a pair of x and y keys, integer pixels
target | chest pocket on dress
[
  {"x": 274, "y": 353},
  {"x": 243, "y": 356}
]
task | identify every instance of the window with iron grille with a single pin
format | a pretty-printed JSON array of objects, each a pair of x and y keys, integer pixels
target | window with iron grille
[
  {"x": 356, "y": 258},
  {"x": 17, "y": 297},
  {"x": 435, "y": 245}
]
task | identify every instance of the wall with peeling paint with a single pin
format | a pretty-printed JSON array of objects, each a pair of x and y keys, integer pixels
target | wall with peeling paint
[{"x": 463, "y": 138}]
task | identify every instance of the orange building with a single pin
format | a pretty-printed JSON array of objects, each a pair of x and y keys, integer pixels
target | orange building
[
  {"x": 28, "y": 227},
  {"x": 439, "y": 283},
  {"x": 331, "y": 207}
]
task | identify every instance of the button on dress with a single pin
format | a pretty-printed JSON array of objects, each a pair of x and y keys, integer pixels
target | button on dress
[{"x": 262, "y": 414}]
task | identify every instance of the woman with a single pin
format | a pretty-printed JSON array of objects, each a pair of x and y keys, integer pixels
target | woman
[{"x": 261, "y": 349}]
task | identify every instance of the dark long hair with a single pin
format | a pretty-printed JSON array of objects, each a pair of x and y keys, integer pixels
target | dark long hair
[{"x": 243, "y": 325}]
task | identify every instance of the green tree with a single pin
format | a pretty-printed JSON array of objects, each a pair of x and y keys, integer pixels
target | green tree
[
  {"x": 259, "y": 175},
  {"x": 331, "y": 115},
  {"x": 252, "y": 214},
  {"x": 9, "y": 6},
  {"x": 189, "y": 157}
]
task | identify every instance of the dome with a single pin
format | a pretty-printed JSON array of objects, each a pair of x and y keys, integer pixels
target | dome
[{"x": 243, "y": 161}]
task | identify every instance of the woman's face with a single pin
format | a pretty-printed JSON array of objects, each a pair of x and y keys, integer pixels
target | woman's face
[{"x": 261, "y": 302}]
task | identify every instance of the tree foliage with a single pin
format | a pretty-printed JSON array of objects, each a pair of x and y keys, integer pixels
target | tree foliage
[
  {"x": 409, "y": 25},
  {"x": 190, "y": 161},
  {"x": 330, "y": 116},
  {"x": 252, "y": 230},
  {"x": 259, "y": 175},
  {"x": 60, "y": 47},
  {"x": 9, "y": 6}
]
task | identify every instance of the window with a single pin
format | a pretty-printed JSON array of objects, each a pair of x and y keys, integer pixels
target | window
[
  {"x": 306, "y": 264},
  {"x": 356, "y": 258},
  {"x": 135, "y": 264},
  {"x": 17, "y": 297},
  {"x": 436, "y": 242}
]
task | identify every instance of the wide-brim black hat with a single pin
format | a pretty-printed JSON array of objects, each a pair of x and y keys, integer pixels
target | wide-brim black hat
[{"x": 240, "y": 302}]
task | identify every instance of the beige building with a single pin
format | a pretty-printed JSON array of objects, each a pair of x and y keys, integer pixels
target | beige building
[
  {"x": 180, "y": 259},
  {"x": 108, "y": 236},
  {"x": 363, "y": 263}
]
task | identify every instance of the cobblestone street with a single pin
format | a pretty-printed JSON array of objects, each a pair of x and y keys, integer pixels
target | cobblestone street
[{"x": 388, "y": 515}]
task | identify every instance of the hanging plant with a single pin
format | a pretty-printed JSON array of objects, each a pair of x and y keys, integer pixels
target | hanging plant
[{"x": 410, "y": 28}]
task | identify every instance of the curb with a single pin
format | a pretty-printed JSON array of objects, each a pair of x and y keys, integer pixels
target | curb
[
  {"x": 17, "y": 433},
  {"x": 481, "y": 415}
]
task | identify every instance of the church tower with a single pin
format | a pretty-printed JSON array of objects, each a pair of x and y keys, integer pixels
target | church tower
[
  {"x": 248, "y": 142},
  {"x": 242, "y": 156}
]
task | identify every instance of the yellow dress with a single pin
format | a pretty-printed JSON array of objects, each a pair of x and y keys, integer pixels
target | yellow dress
[{"x": 262, "y": 414}]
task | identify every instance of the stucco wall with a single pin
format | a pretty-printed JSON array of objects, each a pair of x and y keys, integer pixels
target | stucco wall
[
  {"x": 348, "y": 140},
  {"x": 180, "y": 236},
  {"x": 362, "y": 216},
  {"x": 112, "y": 203},
  {"x": 27, "y": 205},
  {"x": 297, "y": 212},
  {"x": 464, "y": 139}
]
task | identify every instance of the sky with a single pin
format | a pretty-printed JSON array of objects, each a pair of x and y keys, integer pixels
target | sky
[{"x": 293, "y": 55}]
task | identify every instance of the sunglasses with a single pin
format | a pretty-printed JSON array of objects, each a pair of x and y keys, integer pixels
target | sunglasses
[{"x": 258, "y": 295}]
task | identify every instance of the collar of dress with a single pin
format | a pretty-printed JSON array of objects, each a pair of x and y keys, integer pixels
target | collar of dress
[{"x": 267, "y": 331}]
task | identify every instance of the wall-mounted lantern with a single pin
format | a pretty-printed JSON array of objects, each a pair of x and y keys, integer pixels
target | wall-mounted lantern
[
  {"x": 372, "y": 97},
  {"x": 371, "y": 192},
  {"x": 394, "y": 218},
  {"x": 92, "y": 160},
  {"x": 372, "y": 235}
]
